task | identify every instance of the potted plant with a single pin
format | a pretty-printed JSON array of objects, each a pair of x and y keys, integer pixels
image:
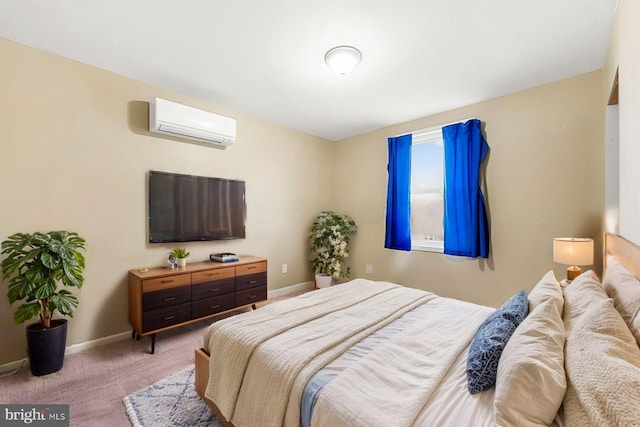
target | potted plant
[
  {"x": 36, "y": 265},
  {"x": 330, "y": 234},
  {"x": 182, "y": 255}
]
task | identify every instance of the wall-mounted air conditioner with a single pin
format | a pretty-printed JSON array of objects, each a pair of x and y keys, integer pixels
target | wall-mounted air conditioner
[{"x": 171, "y": 118}]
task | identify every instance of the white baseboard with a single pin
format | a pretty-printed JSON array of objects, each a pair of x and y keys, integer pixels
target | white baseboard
[
  {"x": 304, "y": 286},
  {"x": 8, "y": 368},
  {"x": 75, "y": 348}
]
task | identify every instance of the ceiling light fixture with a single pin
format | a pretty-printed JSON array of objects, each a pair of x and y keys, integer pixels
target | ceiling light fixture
[{"x": 343, "y": 59}]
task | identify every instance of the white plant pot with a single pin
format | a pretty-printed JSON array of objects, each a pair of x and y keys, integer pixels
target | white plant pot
[
  {"x": 182, "y": 262},
  {"x": 323, "y": 281}
]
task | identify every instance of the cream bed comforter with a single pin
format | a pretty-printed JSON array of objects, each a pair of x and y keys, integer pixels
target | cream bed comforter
[{"x": 261, "y": 361}]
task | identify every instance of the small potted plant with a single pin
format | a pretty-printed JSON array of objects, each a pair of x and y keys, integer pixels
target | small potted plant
[
  {"x": 36, "y": 265},
  {"x": 182, "y": 255},
  {"x": 330, "y": 234}
]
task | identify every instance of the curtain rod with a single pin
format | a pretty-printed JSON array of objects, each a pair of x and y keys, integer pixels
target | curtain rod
[{"x": 432, "y": 128}]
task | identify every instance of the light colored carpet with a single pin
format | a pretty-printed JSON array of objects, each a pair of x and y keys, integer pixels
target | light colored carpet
[
  {"x": 94, "y": 382},
  {"x": 170, "y": 402}
]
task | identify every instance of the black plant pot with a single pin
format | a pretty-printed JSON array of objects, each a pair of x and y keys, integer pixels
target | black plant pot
[{"x": 46, "y": 347}]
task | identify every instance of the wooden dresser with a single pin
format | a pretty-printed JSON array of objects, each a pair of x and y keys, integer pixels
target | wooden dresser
[{"x": 163, "y": 298}]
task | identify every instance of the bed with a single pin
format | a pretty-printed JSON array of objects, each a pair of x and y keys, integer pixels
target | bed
[{"x": 379, "y": 354}]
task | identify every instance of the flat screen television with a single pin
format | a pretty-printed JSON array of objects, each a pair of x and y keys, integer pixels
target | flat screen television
[{"x": 186, "y": 208}]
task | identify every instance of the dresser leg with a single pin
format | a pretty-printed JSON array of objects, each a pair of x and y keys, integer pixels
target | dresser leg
[
  {"x": 133, "y": 333},
  {"x": 153, "y": 343},
  {"x": 253, "y": 306}
]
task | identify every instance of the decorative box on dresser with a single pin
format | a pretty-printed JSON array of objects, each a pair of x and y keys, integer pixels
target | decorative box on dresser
[{"x": 163, "y": 298}]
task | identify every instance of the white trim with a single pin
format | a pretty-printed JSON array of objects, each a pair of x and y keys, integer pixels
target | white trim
[
  {"x": 291, "y": 289},
  {"x": 432, "y": 136},
  {"x": 75, "y": 348},
  {"x": 11, "y": 366},
  {"x": 428, "y": 246}
]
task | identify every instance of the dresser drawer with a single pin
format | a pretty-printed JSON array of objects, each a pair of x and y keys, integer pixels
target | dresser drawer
[
  {"x": 165, "y": 298},
  {"x": 159, "y": 319},
  {"x": 210, "y": 306},
  {"x": 165, "y": 282},
  {"x": 251, "y": 296},
  {"x": 251, "y": 281},
  {"x": 210, "y": 275},
  {"x": 256, "y": 267},
  {"x": 213, "y": 289}
]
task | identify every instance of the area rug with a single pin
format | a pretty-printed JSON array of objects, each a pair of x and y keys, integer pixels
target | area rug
[{"x": 171, "y": 401}]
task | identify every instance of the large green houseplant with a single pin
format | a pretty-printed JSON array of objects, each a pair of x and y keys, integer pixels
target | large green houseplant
[
  {"x": 330, "y": 234},
  {"x": 40, "y": 267}
]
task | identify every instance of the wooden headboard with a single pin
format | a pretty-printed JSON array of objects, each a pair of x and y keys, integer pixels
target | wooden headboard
[{"x": 626, "y": 252}]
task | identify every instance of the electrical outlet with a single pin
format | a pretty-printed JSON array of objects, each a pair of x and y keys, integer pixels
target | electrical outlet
[
  {"x": 368, "y": 268},
  {"x": 284, "y": 268}
]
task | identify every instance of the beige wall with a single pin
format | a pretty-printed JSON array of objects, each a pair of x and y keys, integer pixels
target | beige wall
[
  {"x": 545, "y": 179},
  {"x": 75, "y": 154},
  {"x": 623, "y": 55}
]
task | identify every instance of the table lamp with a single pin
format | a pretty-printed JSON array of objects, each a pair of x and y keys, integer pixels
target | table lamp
[{"x": 573, "y": 251}]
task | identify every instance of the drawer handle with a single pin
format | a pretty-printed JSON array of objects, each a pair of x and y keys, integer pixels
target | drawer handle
[
  {"x": 252, "y": 267},
  {"x": 215, "y": 306},
  {"x": 169, "y": 318},
  {"x": 213, "y": 274},
  {"x": 166, "y": 281},
  {"x": 168, "y": 299},
  {"x": 214, "y": 290},
  {"x": 251, "y": 296},
  {"x": 252, "y": 282}
]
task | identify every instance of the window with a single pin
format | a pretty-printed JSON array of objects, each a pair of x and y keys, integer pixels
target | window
[
  {"x": 466, "y": 226},
  {"x": 427, "y": 191}
]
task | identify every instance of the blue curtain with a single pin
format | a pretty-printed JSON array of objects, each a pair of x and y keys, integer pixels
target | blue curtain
[
  {"x": 466, "y": 228},
  {"x": 398, "y": 231}
]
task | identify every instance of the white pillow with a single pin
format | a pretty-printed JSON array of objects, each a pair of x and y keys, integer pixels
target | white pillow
[
  {"x": 602, "y": 362},
  {"x": 580, "y": 294},
  {"x": 531, "y": 380},
  {"x": 547, "y": 288},
  {"x": 624, "y": 288}
]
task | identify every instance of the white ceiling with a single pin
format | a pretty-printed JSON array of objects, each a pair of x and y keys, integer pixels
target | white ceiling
[{"x": 266, "y": 58}]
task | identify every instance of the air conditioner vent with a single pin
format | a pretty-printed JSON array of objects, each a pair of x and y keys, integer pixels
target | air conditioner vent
[{"x": 171, "y": 118}]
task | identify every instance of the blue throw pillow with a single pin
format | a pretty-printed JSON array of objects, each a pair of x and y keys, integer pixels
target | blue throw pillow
[{"x": 490, "y": 339}]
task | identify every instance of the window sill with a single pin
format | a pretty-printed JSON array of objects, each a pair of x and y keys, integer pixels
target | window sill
[{"x": 428, "y": 246}]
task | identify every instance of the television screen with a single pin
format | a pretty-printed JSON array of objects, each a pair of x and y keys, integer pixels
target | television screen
[{"x": 186, "y": 208}]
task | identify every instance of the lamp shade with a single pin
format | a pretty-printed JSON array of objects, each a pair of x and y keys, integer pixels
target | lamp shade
[
  {"x": 343, "y": 59},
  {"x": 573, "y": 251}
]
